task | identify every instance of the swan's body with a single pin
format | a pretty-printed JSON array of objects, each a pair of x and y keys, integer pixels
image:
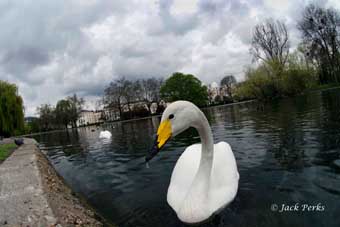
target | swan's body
[
  {"x": 205, "y": 177},
  {"x": 195, "y": 202},
  {"x": 105, "y": 135}
]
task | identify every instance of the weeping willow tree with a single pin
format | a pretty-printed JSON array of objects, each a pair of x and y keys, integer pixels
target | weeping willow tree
[{"x": 11, "y": 110}]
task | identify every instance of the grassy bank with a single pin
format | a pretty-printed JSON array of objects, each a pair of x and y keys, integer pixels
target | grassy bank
[{"x": 6, "y": 150}]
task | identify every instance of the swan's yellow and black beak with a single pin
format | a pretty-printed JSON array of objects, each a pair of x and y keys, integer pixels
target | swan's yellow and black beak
[{"x": 164, "y": 133}]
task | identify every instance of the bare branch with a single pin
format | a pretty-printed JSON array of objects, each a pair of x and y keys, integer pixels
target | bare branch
[{"x": 270, "y": 42}]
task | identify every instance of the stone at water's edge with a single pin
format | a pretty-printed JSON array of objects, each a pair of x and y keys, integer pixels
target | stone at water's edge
[
  {"x": 22, "y": 200},
  {"x": 68, "y": 208}
]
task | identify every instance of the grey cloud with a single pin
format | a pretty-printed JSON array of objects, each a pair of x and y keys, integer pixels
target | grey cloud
[
  {"x": 45, "y": 46},
  {"x": 171, "y": 23},
  {"x": 212, "y": 7},
  {"x": 23, "y": 59},
  {"x": 85, "y": 89},
  {"x": 34, "y": 29},
  {"x": 223, "y": 17},
  {"x": 134, "y": 51}
]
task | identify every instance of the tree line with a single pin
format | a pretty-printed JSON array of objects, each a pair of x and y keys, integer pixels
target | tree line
[
  {"x": 65, "y": 113},
  {"x": 281, "y": 73},
  {"x": 126, "y": 99},
  {"x": 133, "y": 98}
]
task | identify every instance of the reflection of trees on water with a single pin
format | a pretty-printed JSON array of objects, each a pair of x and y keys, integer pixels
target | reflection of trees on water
[
  {"x": 329, "y": 124},
  {"x": 210, "y": 114},
  {"x": 303, "y": 132},
  {"x": 230, "y": 115},
  {"x": 66, "y": 141},
  {"x": 133, "y": 137},
  {"x": 331, "y": 120},
  {"x": 285, "y": 124},
  {"x": 284, "y": 130},
  {"x": 287, "y": 141}
]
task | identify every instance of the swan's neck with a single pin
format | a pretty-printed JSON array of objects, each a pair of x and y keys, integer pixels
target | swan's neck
[
  {"x": 207, "y": 154},
  {"x": 199, "y": 190},
  {"x": 204, "y": 131}
]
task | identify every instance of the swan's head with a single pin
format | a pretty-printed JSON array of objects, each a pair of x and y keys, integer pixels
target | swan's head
[{"x": 177, "y": 117}]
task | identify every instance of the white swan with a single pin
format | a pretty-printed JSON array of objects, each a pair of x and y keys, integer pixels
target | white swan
[
  {"x": 205, "y": 177},
  {"x": 105, "y": 134}
]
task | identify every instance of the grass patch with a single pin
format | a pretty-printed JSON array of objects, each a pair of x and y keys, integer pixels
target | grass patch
[{"x": 6, "y": 150}]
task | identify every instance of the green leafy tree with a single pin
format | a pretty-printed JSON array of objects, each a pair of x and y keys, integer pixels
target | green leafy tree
[
  {"x": 184, "y": 87},
  {"x": 32, "y": 126},
  {"x": 63, "y": 112},
  {"x": 76, "y": 108},
  {"x": 47, "y": 117},
  {"x": 296, "y": 77},
  {"x": 11, "y": 110},
  {"x": 218, "y": 99}
]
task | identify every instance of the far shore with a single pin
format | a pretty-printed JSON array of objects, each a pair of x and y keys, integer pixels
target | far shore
[
  {"x": 128, "y": 120},
  {"x": 319, "y": 88}
]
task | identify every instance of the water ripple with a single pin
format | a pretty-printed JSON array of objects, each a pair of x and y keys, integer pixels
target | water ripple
[{"x": 287, "y": 151}]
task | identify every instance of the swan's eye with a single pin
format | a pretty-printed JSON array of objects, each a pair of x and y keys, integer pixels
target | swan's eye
[{"x": 171, "y": 116}]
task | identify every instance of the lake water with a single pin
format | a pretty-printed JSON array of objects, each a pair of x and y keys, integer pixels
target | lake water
[{"x": 287, "y": 152}]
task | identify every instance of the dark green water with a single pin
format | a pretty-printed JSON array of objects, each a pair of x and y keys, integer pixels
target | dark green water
[{"x": 286, "y": 153}]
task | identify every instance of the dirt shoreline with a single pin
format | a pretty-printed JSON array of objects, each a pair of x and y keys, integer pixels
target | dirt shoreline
[{"x": 69, "y": 210}]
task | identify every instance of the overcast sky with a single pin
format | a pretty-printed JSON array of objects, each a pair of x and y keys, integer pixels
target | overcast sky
[{"x": 54, "y": 48}]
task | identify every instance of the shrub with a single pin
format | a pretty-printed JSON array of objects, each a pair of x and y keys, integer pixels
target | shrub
[{"x": 266, "y": 82}]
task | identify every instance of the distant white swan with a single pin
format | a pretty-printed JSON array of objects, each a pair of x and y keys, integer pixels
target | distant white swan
[
  {"x": 105, "y": 134},
  {"x": 205, "y": 177}
]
